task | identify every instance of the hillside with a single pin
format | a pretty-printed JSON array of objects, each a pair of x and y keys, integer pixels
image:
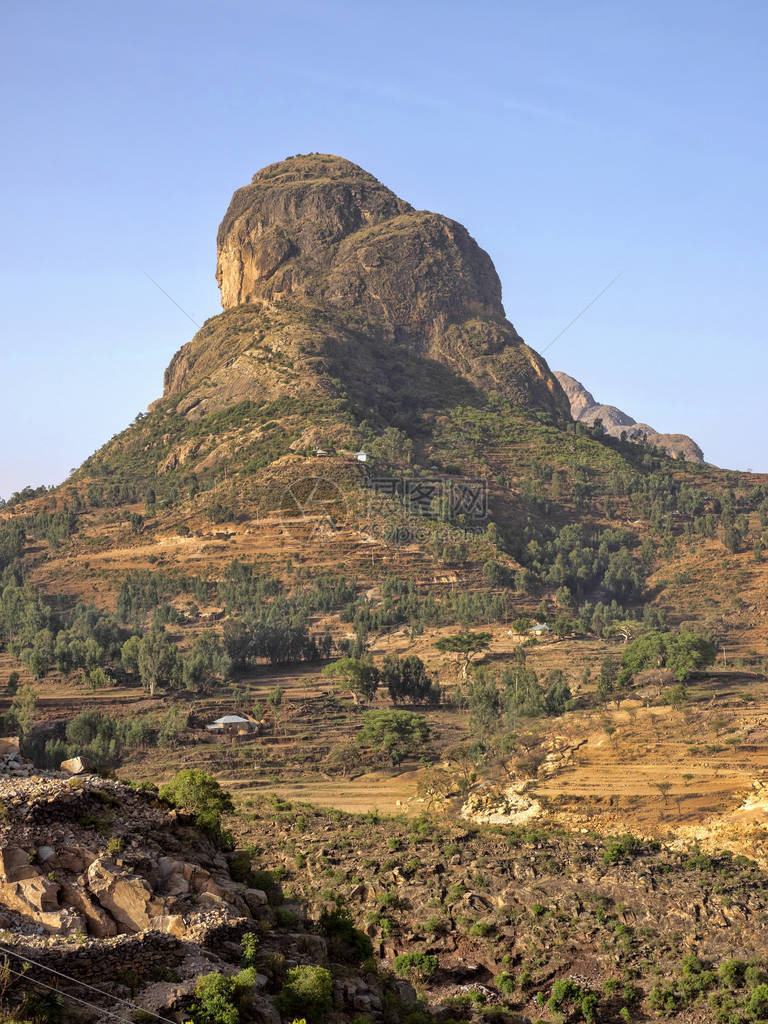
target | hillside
[{"x": 447, "y": 613}]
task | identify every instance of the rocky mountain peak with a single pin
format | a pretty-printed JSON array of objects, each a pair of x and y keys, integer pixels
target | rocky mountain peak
[
  {"x": 322, "y": 228},
  {"x": 316, "y": 239}
]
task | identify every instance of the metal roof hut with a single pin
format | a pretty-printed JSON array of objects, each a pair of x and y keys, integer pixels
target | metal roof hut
[{"x": 232, "y": 725}]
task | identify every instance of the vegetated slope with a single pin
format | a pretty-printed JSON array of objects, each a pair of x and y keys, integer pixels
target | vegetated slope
[
  {"x": 353, "y": 322},
  {"x": 507, "y": 916},
  {"x": 585, "y": 409},
  {"x": 236, "y": 514}
]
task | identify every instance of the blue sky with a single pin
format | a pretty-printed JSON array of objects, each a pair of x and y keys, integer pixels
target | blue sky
[{"x": 575, "y": 141}]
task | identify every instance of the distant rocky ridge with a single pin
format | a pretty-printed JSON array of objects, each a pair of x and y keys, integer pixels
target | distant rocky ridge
[{"x": 616, "y": 423}]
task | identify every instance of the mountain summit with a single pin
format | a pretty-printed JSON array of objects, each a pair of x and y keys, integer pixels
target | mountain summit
[{"x": 317, "y": 236}]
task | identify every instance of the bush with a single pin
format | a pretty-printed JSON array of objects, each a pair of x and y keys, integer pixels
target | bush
[
  {"x": 756, "y": 1006},
  {"x": 566, "y": 992},
  {"x": 416, "y": 966},
  {"x": 196, "y": 791},
  {"x": 215, "y": 1004},
  {"x": 620, "y": 848},
  {"x": 346, "y": 943},
  {"x": 732, "y": 972},
  {"x": 505, "y": 983},
  {"x": 308, "y": 991},
  {"x": 249, "y": 946}
]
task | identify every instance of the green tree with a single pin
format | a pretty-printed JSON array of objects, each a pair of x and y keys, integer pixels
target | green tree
[
  {"x": 275, "y": 701},
  {"x": 158, "y": 661},
  {"x": 606, "y": 681},
  {"x": 129, "y": 655},
  {"x": 397, "y": 733},
  {"x": 557, "y": 693},
  {"x": 357, "y": 676},
  {"x": 22, "y": 711},
  {"x": 195, "y": 791},
  {"x": 393, "y": 447},
  {"x": 484, "y": 703},
  {"x": 465, "y": 645},
  {"x": 406, "y": 679},
  {"x": 41, "y": 655},
  {"x": 683, "y": 653},
  {"x": 732, "y": 539}
]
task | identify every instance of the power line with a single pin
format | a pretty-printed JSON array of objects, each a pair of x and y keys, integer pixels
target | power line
[
  {"x": 579, "y": 314},
  {"x": 83, "y": 984},
  {"x": 165, "y": 293},
  {"x": 68, "y": 995}
]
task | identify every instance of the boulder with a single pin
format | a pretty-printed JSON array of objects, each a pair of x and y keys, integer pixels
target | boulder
[
  {"x": 30, "y": 897},
  {"x": 15, "y": 864},
  {"x": 170, "y": 924},
  {"x": 127, "y": 897},
  {"x": 74, "y": 859},
  {"x": 255, "y": 898},
  {"x": 76, "y": 765},
  {"x": 98, "y": 922}
]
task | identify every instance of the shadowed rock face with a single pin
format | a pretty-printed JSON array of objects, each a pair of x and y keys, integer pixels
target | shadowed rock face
[
  {"x": 325, "y": 229},
  {"x": 318, "y": 237},
  {"x": 585, "y": 409}
]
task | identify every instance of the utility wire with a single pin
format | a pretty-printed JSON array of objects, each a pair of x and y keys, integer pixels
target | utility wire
[
  {"x": 68, "y": 995},
  {"x": 578, "y": 315},
  {"x": 165, "y": 293},
  {"x": 83, "y": 984}
]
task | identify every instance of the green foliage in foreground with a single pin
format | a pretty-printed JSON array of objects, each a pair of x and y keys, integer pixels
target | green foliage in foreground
[
  {"x": 308, "y": 991},
  {"x": 416, "y": 966},
  {"x": 219, "y": 999},
  {"x": 194, "y": 790}
]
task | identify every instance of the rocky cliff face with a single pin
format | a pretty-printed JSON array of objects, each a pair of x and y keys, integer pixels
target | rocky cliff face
[
  {"x": 84, "y": 855},
  {"x": 323, "y": 228},
  {"x": 316, "y": 249},
  {"x": 585, "y": 409}
]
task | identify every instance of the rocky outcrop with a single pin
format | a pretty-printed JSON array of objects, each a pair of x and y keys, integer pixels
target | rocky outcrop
[
  {"x": 616, "y": 423},
  {"x": 316, "y": 255},
  {"x": 127, "y": 897},
  {"x": 105, "y": 887},
  {"x": 81, "y": 854}
]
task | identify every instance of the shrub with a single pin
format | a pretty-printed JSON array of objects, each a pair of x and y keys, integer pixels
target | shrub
[
  {"x": 756, "y": 1006},
  {"x": 505, "y": 983},
  {"x": 196, "y": 791},
  {"x": 346, "y": 943},
  {"x": 664, "y": 998},
  {"x": 416, "y": 966},
  {"x": 249, "y": 945},
  {"x": 732, "y": 972},
  {"x": 620, "y": 848},
  {"x": 308, "y": 990},
  {"x": 566, "y": 992},
  {"x": 215, "y": 1004}
]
